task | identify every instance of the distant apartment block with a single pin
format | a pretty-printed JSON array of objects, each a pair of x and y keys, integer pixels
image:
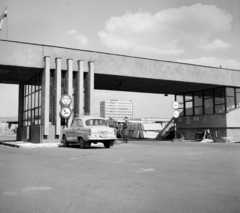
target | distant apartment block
[{"x": 116, "y": 109}]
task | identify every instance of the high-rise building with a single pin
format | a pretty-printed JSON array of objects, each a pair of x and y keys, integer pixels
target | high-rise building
[{"x": 116, "y": 109}]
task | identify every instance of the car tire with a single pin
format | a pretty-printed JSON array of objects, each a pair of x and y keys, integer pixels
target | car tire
[
  {"x": 65, "y": 142},
  {"x": 112, "y": 142},
  {"x": 82, "y": 143},
  {"x": 107, "y": 144},
  {"x": 87, "y": 144}
]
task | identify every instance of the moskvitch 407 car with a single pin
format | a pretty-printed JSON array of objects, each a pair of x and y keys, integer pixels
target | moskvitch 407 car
[{"x": 87, "y": 130}]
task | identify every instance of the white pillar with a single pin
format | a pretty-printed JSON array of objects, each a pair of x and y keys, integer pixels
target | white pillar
[
  {"x": 70, "y": 85},
  {"x": 79, "y": 96},
  {"x": 89, "y": 93},
  {"x": 57, "y": 85},
  {"x": 45, "y": 95}
]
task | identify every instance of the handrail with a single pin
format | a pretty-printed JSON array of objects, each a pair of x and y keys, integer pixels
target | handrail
[{"x": 167, "y": 125}]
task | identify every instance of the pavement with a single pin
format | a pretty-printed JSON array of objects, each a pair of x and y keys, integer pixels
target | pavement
[
  {"x": 23, "y": 144},
  {"x": 9, "y": 141}
]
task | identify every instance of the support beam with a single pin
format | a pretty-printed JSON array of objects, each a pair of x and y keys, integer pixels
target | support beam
[
  {"x": 45, "y": 96},
  {"x": 79, "y": 96},
  {"x": 20, "y": 104},
  {"x": 57, "y": 88},
  {"x": 90, "y": 89},
  {"x": 69, "y": 85}
]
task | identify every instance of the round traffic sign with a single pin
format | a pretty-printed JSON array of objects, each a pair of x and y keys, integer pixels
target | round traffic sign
[
  {"x": 66, "y": 100},
  {"x": 175, "y": 105},
  {"x": 175, "y": 113},
  {"x": 66, "y": 112}
]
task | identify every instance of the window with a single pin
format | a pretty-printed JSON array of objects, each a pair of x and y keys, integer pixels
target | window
[
  {"x": 208, "y": 102},
  {"x": 237, "y": 97},
  {"x": 32, "y": 101},
  {"x": 188, "y": 104},
  {"x": 230, "y": 96},
  {"x": 198, "y": 103},
  {"x": 96, "y": 122},
  {"x": 219, "y": 99}
]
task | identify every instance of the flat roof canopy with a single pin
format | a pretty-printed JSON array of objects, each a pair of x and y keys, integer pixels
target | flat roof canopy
[{"x": 21, "y": 61}]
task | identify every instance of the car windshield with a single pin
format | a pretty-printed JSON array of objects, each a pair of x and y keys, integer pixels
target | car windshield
[{"x": 96, "y": 122}]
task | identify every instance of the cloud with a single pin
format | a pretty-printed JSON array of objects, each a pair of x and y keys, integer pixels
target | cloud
[
  {"x": 80, "y": 38},
  {"x": 214, "y": 62},
  {"x": 161, "y": 33},
  {"x": 216, "y": 45}
]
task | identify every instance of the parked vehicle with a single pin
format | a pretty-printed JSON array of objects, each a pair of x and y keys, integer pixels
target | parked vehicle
[{"x": 87, "y": 130}]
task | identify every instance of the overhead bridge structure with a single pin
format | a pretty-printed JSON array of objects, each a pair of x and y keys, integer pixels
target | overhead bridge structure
[{"x": 209, "y": 96}]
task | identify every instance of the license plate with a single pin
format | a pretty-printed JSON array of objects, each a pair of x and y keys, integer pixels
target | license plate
[{"x": 102, "y": 135}]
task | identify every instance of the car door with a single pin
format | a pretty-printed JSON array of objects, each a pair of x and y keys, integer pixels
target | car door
[
  {"x": 75, "y": 130},
  {"x": 69, "y": 132}
]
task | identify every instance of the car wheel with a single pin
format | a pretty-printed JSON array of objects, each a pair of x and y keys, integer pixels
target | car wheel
[
  {"x": 87, "y": 144},
  {"x": 81, "y": 143},
  {"x": 107, "y": 145},
  {"x": 65, "y": 142},
  {"x": 112, "y": 143}
]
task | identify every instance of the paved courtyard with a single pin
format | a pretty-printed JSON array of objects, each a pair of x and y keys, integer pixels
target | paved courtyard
[{"x": 142, "y": 176}]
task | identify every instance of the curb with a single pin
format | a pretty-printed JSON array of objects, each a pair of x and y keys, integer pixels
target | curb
[{"x": 20, "y": 144}]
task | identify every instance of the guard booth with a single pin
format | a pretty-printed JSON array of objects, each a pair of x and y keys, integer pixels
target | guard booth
[{"x": 215, "y": 109}]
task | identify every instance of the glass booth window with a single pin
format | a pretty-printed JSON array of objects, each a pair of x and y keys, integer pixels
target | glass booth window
[
  {"x": 188, "y": 104},
  {"x": 198, "y": 103},
  {"x": 179, "y": 99},
  {"x": 208, "y": 102},
  {"x": 237, "y": 97},
  {"x": 219, "y": 99},
  {"x": 230, "y": 98}
]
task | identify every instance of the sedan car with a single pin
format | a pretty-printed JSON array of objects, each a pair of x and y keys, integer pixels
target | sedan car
[{"x": 87, "y": 130}]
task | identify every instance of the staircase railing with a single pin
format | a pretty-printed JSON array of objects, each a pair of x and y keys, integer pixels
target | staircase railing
[{"x": 168, "y": 126}]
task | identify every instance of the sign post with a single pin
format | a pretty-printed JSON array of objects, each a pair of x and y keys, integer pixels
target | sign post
[
  {"x": 66, "y": 112},
  {"x": 175, "y": 106}
]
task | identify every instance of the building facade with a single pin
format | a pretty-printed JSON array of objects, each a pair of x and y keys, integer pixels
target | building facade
[
  {"x": 116, "y": 109},
  {"x": 45, "y": 73},
  {"x": 215, "y": 109}
]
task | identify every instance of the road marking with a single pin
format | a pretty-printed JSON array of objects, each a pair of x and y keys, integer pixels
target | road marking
[{"x": 141, "y": 170}]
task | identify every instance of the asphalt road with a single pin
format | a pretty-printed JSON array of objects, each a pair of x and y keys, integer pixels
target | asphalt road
[{"x": 139, "y": 177}]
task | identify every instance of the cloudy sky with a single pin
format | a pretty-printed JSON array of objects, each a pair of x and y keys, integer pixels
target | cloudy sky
[{"x": 204, "y": 32}]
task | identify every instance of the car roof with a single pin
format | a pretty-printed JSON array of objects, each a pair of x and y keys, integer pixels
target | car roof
[{"x": 85, "y": 117}]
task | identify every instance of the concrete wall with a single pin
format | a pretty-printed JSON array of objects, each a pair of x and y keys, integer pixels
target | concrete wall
[
  {"x": 233, "y": 118},
  {"x": 202, "y": 121}
]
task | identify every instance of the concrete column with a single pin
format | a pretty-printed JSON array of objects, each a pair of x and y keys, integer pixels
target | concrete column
[
  {"x": 90, "y": 89},
  {"x": 79, "y": 96},
  {"x": 45, "y": 96},
  {"x": 20, "y": 104},
  {"x": 69, "y": 85},
  {"x": 57, "y": 87}
]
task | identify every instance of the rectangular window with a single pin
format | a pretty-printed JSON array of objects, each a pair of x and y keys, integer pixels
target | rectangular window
[
  {"x": 230, "y": 95},
  {"x": 237, "y": 97},
  {"x": 198, "y": 103},
  {"x": 32, "y": 103},
  {"x": 189, "y": 108},
  {"x": 220, "y": 108},
  {"x": 219, "y": 99},
  {"x": 208, "y": 102},
  {"x": 188, "y": 104}
]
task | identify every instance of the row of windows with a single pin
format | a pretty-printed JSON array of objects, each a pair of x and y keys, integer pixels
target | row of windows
[
  {"x": 32, "y": 101},
  {"x": 214, "y": 101}
]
